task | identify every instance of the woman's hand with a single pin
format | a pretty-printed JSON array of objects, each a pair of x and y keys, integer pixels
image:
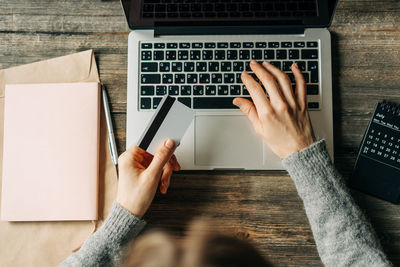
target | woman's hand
[
  {"x": 140, "y": 173},
  {"x": 281, "y": 119}
]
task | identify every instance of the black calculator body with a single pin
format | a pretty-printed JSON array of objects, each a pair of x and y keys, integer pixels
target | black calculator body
[{"x": 377, "y": 169}]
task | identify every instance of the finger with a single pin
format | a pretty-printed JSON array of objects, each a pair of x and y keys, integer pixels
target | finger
[
  {"x": 175, "y": 163},
  {"x": 284, "y": 83},
  {"x": 248, "y": 108},
  {"x": 256, "y": 92},
  {"x": 165, "y": 178},
  {"x": 131, "y": 156},
  {"x": 301, "y": 87},
  {"x": 161, "y": 157},
  {"x": 267, "y": 80}
]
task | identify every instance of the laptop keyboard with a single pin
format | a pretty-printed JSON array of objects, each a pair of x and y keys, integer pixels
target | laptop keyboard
[{"x": 206, "y": 75}]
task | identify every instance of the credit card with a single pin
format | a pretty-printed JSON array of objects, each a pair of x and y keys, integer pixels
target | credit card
[{"x": 170, "y": 120}]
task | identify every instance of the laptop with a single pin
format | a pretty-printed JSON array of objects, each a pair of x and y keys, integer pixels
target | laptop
[{"x": 195, "y": 51}]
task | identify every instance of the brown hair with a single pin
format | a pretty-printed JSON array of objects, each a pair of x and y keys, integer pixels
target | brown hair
[{"x": 201, "y": 247}]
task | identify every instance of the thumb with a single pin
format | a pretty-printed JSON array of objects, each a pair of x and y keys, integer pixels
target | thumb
[
  {"x": 161, "y": 157},
  {"x": 248, "y": 108}
]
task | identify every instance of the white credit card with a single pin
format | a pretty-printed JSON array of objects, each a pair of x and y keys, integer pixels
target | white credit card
[{"x": 170, "y": 120}]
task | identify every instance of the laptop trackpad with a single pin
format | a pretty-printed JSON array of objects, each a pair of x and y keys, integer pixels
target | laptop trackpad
[{"x": 227, "y": 142}]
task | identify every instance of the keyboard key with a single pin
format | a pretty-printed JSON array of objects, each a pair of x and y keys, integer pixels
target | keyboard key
[
  {"x": 312, "y": 44},
  {"x": 167, "y": 78},
  {"x": 231, "y": 54},
  {"x": 183, "y": 55},
  {"x": 201, "y": 66},
  {"x": 208, "y": 54},
  {"x": 226, "y": 66},
  {"x": 281, "y": 54},
  {"x": 235, "y": 45},
  {"x": 306, "y": 77},
  {"x": 286, "y": 66},
  {"x": 219, "y": 54},
  {"x": 197, "y": 45},
  {"x": 238, "y": 77},
  {"x": 312, "y": 89},
  {"x": 172, "y": 45},
  {"x": 261, "y": 45},
  {"x": 145, "y": 103},
  {"x": 170, "y": 55},
  {"x": 147, "y": 45},
  {"x": 149, "y": 67},
  {"x": 302, "y": 65},
  {"x": 179, "y": 78},
  {"x": 309, "y": 54},
  {"x": 213, "y": 66},
  {"x": 229, "y": 78},
  {"x": 238, "y": 66},
  {"x": 188, "y": 66},
  {"x": 184, "y": 45},
  {"x": 286, "y": 44},
  {"x": 161, "y": 90},
  {"x": 273, "y": 44},
  {"x": 299, "y": 44},
  {"x": 294, "y": 54},
  {"x": 186, "y": 90},
  {"x": 192, "y": 78},
  {"x": 195, "y": 55},
  {"x": 176, "y": 66},
  {"x": 164, "y": 66},
  {"x": 159, "y": 45},
  {"x": 256, "y": 54},
  {"x": 204, "y": 78},
  {"x": 313, "y": 68},
  {"x": 269, "y": 54},
  {"x": 313, "y": 105},
  {"x": 245, "y": 91},
  {"x": 214, "y": 103},
  {"x": 244, "y": 54},
  {"x": 211, "y": 90},
  {"x": 186, "y": 101},
  {"x": 223, "y": 89},
  {"x": 158, "y": 55},
  {"x": 248, "y": 45},
  {"x": 156, "y": 101},
  {"x": 209, "y": 45},
  {"x": 216, "y": 78},
  {"x": 222, "y": 45},
  {"x": 291, "y": 77},
  {"x": 173, "y": 90},
  {"x": 198, "y": 90},
  {"x": 147, "y": 90},
  {"x": 146, "y": 55},
  {"x": 150, "y": 78},
  {"x": 235, "y": 89}
]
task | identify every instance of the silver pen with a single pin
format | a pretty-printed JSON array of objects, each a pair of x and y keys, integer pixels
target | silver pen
[{"x": 111, "y": 137}]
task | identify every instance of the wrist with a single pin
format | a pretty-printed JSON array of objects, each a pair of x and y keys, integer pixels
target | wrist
[{"x": 131, "y": 207}]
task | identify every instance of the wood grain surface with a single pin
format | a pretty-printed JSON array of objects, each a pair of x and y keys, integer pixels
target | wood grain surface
[{"x": 261, "y": 206}]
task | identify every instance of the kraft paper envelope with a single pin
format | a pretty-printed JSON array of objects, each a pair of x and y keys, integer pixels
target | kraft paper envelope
[{"x": 49, "y": 243}]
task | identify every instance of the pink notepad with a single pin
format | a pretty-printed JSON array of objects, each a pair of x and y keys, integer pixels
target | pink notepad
[{"x": 51, "y": 152}]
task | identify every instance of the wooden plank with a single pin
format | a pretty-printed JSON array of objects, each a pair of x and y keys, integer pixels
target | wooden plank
[{"x": 261, "y": 206}]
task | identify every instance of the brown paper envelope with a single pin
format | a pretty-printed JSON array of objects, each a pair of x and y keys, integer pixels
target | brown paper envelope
[{"x": 49, "y": 243}]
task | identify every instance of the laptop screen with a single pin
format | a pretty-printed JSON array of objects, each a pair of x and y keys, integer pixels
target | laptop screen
[{"x": 153, "y": 13}]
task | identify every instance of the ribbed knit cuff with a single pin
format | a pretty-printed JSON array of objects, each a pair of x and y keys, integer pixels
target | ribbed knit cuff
[
  {"x": 309, "y": 164},
  {"x": 121, "y": 224}
]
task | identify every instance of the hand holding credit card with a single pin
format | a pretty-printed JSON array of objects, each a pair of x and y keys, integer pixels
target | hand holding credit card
[{"x": 170, "y": 120}]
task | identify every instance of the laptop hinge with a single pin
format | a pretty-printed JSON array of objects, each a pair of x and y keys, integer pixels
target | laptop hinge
[{"x": 226, "y": 30}]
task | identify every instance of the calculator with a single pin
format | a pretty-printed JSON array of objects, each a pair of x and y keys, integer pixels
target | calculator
[{"x": 377, "y": 168}]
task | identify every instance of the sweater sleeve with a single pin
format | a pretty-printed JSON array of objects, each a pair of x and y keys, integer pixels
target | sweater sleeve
[
  {"x": 105, "y": 246},
  {"x": 342, "y": 233}
]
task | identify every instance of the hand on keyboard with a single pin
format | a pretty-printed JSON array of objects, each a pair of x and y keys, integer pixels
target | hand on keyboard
[{"x": 281, "y": 118}]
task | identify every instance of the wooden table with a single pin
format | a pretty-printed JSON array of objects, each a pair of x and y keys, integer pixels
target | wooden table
[{"x": 261, "y": 206}]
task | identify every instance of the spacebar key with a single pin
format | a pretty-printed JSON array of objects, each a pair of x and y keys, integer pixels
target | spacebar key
[{"x": 213, "y": 103}]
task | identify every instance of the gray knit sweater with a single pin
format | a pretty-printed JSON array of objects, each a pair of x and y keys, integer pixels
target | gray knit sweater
[{"x": 342, "y": 234}]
